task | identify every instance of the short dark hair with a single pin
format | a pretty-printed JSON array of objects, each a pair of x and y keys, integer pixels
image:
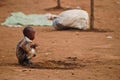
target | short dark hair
[{"x": 26, "y": 30}]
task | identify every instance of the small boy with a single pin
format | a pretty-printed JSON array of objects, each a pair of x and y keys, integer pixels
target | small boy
[{"x": 26, "y": 50}]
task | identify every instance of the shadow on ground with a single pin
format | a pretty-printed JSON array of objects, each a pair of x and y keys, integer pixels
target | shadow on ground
[
  {"x": 67, "y": 63},
  {"x": 88, "y": 30},
  {"x": 56, "y": 8}
]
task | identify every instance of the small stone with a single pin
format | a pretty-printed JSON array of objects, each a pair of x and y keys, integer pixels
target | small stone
[
  {"x": 109, "y": 37},
  {"x": 77, "y": 33},
  {"x": 110, "y": 67},
  {"x": 24, "y": 70},
  {"x": 3, "y": 56},
  {"x": 73, "y": 74}
]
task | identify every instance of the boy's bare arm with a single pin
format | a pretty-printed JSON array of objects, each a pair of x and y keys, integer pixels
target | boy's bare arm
[
  {"x": 28, "y": 47},
  {"x": 34, "y": 46}
]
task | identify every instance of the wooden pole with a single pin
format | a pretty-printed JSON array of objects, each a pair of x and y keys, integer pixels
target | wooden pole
[
  {"x": 58, "y": 4},
  {"x": 92, "y": 15}
]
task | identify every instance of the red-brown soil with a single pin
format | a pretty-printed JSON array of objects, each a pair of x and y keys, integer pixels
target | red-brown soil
[{"x": 67, "y": 54}]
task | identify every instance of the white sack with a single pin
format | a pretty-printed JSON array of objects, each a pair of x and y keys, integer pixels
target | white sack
[{"x": 73, "y": 18}]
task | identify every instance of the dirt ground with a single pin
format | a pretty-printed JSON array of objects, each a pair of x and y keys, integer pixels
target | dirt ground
[{"x": 64, "y": 55}]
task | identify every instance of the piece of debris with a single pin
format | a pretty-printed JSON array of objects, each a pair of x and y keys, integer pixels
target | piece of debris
[
  {"x": 118, "y": 18},
  {"x": 24, "y": 70},
  {"x": 47, "y": 53},
  {"x": 118, "y": 2},
  {"x": 3, "y": 56},
  {"x": 109, "y": 37}
]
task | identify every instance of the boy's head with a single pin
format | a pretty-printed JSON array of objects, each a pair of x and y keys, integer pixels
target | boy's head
[{"x": 29, "y": 32}]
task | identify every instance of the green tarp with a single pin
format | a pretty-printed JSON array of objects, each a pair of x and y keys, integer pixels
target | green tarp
[{"x": 19, "y": 18}]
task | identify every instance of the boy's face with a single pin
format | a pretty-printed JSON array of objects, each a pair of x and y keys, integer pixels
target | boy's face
[{"x": 31, "y": 35}]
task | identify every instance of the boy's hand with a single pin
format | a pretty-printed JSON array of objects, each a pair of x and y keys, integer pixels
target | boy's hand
[{"x": 34, "y": 46}]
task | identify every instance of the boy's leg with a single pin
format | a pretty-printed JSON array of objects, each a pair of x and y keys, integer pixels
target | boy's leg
[
  {"x": 21, "y": 59},
  {"x": 24, "y": 58},
  {"x": 27, "y": 61},
  {"x": 20, "y": 55},
  {"x": 29, "y": 56},
  {"x": 24, "y": 61}
]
